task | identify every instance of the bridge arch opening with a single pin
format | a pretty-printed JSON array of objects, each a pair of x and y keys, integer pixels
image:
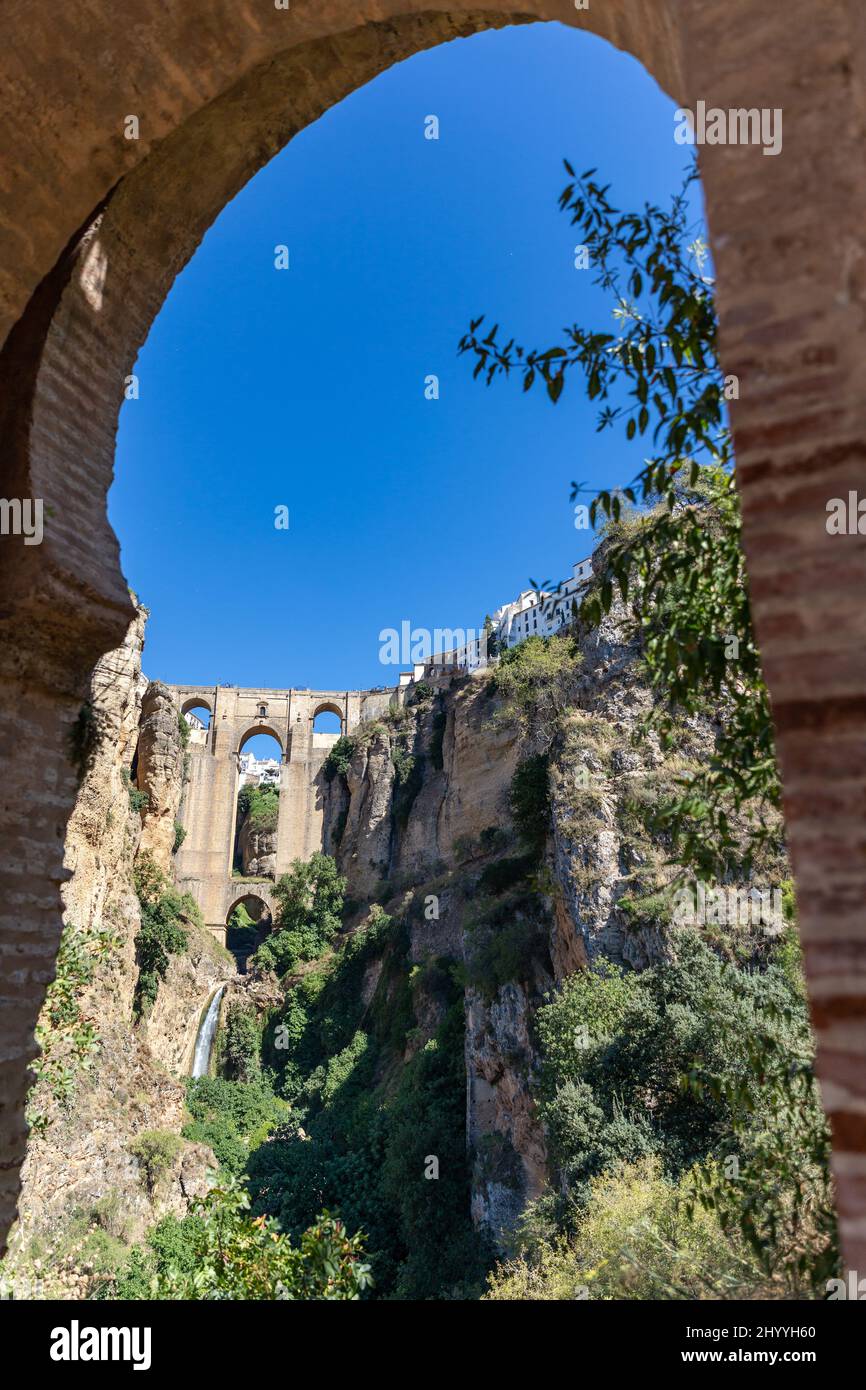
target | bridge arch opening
[
  {"x": 198, "y": 715},
  {"x": 248, "y": 922},
  {"x": 328, "y": 719},
  {"x": 261, "y": 733},
  {"x": 257, "y": 804}
]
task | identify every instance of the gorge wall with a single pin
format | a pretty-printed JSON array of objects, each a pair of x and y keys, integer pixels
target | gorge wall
[
  {"x": 497, "y": 823},
  {"x": 423, "y": 815},
  {"x": 106, "y": 1077}
]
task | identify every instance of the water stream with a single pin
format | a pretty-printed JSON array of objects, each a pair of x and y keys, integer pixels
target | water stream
[{"x": 204, "y": 1041}]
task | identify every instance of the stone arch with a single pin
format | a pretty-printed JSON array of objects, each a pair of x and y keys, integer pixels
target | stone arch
[
  {"x": 196, "y": 702},
  {"x": 260, "y": 728},
  {"x": 329, "y": 707},
  {"x": 264, "y": 908},
  {"x": 261, "y": 911},
  {"x": 94, "y": 227}
]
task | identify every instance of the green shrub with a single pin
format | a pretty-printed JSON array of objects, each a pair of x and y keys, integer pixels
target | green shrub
[
  {"x": 700, "y": 1064},
  {"x": 537, "y": 682},
  {"x": 463, "y": 848},
  {"x": 437, "y": 738},
  {"x": 530, "y": 801},
  {"x": 138, "y": 801},
  {"x": 83, "y": 738},
  {"x": 309, "y": 904},
  {"x": 179, "y": 836},
  {"x": 240, "y": 1042},
  {"x": 67, "y": 1035},
  {"x": 155, "y": 1151},
  {"x": 408, "y": 781},
  {"x": 504, "y": 939},
  {"x": 232, "y": 1116},
  {"x": 418, "y": 693},
  {"x": 162, "y": 933},
  {"x": 259, "y": 806},
  {"x": 503, "y": 874},
  {"x": 635, "y": 1239},
  {"x": 493, "y": 839},
  {"x": 219, "y": 1252},
  {"x": 339, "y": 757}
]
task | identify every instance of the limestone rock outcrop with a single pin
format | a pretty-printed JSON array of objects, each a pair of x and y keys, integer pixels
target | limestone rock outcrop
[
  {"x": 89, "y": 1110},
  {"x": 423, "y": 811},
  {"x": 159, "y": 772},
  {"x": 258, "y": 850}
]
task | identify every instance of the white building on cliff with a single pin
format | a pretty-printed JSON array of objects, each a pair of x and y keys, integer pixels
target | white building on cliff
[{"x": 534, "y": 613}]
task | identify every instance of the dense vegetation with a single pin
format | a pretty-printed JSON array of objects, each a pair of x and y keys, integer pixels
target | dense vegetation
[
  {"x": 219, "y": 1251},
  {"x": 259, "y": 805},
  {"x": 309, "y": 901},
  {"x": 163, "y": 932},
  {"x": 379, "y": 1141},
  {"x": 67, "y": 1034},
  {"x": 317, "y": 1111},
  {"x": 680, "y": 1102}
]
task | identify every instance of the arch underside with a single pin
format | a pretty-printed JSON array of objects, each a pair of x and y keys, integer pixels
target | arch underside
[{"x": 247, "y": 898}]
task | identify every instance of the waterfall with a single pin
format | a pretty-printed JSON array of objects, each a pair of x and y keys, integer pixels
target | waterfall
[{"x": 204, "y": 1041}]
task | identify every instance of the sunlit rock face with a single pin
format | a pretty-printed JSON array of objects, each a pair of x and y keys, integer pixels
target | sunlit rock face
[
  {"x": 258, "y": 851},
  {"x": 79, "y": 1158},
  {"x": 159, "y": 772}
]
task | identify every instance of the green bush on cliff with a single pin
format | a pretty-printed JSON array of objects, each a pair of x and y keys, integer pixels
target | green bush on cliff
[
  {"x": 219, "y": 1251},
  {"x": 530, "y": 801},
  {"x": 707, "y": 1068},
  {"x": 155, "y": 1151},
  {"x": 138, "y": 801},
  {"x": 536, "y": 681},
  {"x": 339, "y": 757},
  {"x": 259, "y": 806},
  {"x": 408, "y": 779},
  {"x": 309, "y": 902},
  {"x": 240, "y": 1043},
  {"x": 505, "y": 935},
  {"x": 162, "y": 933},
  {"x": 232, "y": 1117},
  {"x": 66, "y": 1034},
  {"x": 635, "y": 1239}
]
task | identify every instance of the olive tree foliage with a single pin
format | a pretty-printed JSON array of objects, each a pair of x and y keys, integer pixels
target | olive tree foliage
[{"x": 673, "y": 537}]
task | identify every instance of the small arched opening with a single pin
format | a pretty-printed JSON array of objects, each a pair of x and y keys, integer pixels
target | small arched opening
[
  {"x": 248, "y": 922},
  {"x": 328, "y": 721},
  {"x": 197, "y": 715}
]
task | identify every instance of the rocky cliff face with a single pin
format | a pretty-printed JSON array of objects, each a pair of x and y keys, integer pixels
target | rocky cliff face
[
  {"x": 258, "y": 850},
  {"x": 421, "y": 821},
  {"x": 419, "y": 815},
  {"x": 159, "y": 772},
  {"x": 109, "y": 1080}
]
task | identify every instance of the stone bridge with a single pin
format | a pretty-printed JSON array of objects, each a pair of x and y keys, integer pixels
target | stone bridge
[{"x": 208, "y": 812}]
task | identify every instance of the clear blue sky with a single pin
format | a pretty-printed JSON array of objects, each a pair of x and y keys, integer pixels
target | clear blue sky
[{"x": 305, "y": 387}]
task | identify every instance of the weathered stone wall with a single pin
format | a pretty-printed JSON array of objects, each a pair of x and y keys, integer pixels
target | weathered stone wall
[{"x": 81, "y": 1163}]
